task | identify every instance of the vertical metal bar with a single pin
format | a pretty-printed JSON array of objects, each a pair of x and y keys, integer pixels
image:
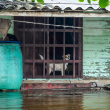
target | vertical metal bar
[
  {"x": 44, "y": 52},
  {"x": 25, "y": 76},
  {"x": 74, "y": 51},
  {"x": 64, "y": 50},
  {"x": 34, "y": 50},
  {"x": 79, "y": 67},
  {"x": 79, "y": 42},
  {"x": 54, "y": 49},
  {"x": 48, "y": 47},
  {"x": 82, "y": 49}
]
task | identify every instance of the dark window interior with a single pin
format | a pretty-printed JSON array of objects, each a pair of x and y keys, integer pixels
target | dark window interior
[{"x": 53, "y": 43}]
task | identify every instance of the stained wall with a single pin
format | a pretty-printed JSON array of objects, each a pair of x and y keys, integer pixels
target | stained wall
[{"x": 96, "y": 48}]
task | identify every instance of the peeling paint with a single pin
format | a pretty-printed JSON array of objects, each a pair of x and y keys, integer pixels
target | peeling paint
[
  {"x": 96, "y": 49},
  {"x": 107, "y": 67},
  {"x": 108, "y": 22},
  {"x": 54, "y": 14}
]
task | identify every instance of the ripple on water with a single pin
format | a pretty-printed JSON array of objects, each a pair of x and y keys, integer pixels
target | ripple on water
[{"x": 55, "y": 100}]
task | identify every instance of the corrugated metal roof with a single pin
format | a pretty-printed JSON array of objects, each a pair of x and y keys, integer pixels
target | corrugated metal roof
[{"x": 50, "y": 5}]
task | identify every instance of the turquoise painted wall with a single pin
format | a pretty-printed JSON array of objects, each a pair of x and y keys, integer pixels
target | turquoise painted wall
[
  {"x": 11, "y": 30},
  {"x": 96, "y": 48}
]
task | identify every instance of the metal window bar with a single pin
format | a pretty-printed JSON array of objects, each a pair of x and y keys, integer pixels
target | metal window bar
[
  {"x": 44, "y": 51},
  {"x": 54, "y": 50},
  {"x": 33, "y": 61},
  {"x": 24, "y": 48},
  {"x": 34, "y": 50},
  {"x": 47, "y": 48},
  {"x": 64, "y": 50},
  {"x": 74, "y": 50}
]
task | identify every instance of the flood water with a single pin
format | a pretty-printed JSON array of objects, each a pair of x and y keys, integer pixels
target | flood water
[{"x": 55, "y": 100}]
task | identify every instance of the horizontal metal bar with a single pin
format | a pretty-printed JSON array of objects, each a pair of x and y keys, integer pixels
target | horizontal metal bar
[
  {"x": 50, "y": 30},
  {"x": 28, "y": 61},
  {"x": 57, "y": 76},
  {"x": 61, "y": 61},
  {"x": 52, "y": 61},
  {"x": 39, "y": 76},
  {"x": 28, "y": 76},
  {"x": 51, "y": 45}
]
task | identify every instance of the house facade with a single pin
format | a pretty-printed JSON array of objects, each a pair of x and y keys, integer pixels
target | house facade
[{"x": 54, "y": 33}]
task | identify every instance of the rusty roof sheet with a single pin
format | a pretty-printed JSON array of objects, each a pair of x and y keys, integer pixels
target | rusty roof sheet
[{"x": 50, "y": 5}]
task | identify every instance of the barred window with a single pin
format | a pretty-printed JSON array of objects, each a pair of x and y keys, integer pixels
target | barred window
[{"x": 50, "y": 51}]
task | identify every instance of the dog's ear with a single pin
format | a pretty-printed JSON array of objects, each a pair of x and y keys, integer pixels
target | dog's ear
[{"x": 66, "y": 56}]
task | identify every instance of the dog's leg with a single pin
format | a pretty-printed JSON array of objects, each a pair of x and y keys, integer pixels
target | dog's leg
[
  {"x": 49, "y": 71},
  {"x": 62, "y": 72}
]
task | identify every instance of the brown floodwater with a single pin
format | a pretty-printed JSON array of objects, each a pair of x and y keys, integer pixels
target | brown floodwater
[{"x": 55, "y": 100}]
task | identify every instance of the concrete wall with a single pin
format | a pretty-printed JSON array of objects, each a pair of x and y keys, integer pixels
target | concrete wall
[
  {"x": 11, "y": 30},
  {"x": 96, "y": 48}
]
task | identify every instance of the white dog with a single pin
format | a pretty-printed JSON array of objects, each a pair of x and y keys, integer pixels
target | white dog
[{"x": 58, "y": 66}]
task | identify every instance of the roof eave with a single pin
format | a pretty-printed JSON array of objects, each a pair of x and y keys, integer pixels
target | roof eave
[{"x": 60, "y": 13}]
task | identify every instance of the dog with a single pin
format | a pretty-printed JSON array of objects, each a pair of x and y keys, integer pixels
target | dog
[{"x": 58, "y": 66}]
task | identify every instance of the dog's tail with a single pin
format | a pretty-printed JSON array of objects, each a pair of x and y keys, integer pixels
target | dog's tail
[{"x": 41, "y": 57}]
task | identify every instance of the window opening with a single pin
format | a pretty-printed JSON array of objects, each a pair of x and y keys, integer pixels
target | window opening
[{"x": 50, "y": 51}]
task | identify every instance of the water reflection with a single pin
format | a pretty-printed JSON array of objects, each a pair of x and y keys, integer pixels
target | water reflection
[
  {"x": 66, "y": 100},
  {"x": 11, "y": 101},
  {"x": 55, "y": 100},
  {"x": 96, "y": 101}
]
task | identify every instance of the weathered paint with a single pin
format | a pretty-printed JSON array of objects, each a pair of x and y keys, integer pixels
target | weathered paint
[
  {"x": 59, "y": 13},
  {"x": 100, "y": 82},
  {"x": 11, "y": 30},
  {"x": 11, "y": 66},
  {"x": 26, "y": 86},
  {"x": 96, "y": 48}
]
